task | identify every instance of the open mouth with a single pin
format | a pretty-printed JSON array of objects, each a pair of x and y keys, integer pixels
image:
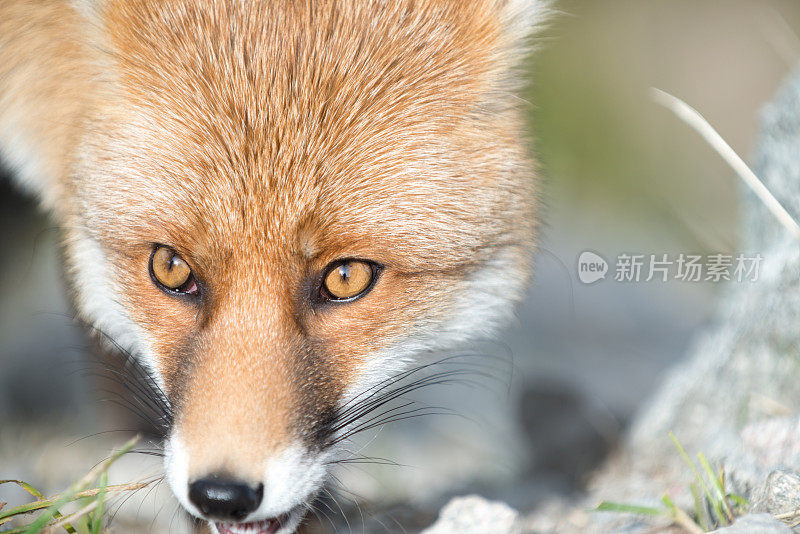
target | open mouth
[{"x": 266, "y": 526}]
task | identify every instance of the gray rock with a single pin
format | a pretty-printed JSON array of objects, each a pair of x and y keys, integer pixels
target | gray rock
[
  {"x": 475, "y": 515},
  {"x": 779, "y": 495},
  {"x": 756, "y": 524}
]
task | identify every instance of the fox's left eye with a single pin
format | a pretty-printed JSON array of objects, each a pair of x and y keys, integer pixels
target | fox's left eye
[
  {"x": 348, "y": 279},
  {"x": 171, "y": 272}
]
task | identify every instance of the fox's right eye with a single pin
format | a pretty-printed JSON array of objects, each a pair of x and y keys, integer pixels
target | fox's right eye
[{"x": 171, "y": 272}]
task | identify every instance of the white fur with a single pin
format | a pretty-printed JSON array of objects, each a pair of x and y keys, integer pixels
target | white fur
[
  {"x": 19, "y": 152},
  {"x": 488, "y": 300},
  {"x": 524, "y": 17},
  {"x": 176, "y": 467},
  {"x": 291, "y": 479},
  {"x": 99, "y": 301}
]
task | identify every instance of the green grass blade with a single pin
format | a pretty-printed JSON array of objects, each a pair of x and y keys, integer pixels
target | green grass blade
[
  {"x": 67, "y": 496},
  {"x": 9, "y": 514},
  {"x": 607, "y": 506},
  {"x": 96, "y": 519},
  {"x": 738, "y": 500},
  {"x": 27, "y": 508},
  {"x": 720, "y": 502},
  {"x": 24, "y": 485},
  {"x": 700, "y": 511},
  {"x": 33, "y": 491},
  {"x": 700, "y": 480}
]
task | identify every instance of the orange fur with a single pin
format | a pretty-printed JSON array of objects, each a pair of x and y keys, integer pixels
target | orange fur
[{"x": 262, "y": 141}]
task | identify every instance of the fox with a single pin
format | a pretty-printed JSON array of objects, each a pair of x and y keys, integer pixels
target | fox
[{"x": 275, "y": 206}]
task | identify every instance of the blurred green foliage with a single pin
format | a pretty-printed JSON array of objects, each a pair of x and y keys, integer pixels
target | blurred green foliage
[{"x": 620, "y": 169}]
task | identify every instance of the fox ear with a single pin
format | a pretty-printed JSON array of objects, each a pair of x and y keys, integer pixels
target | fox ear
[
  {"x": 520, "y": 19},
  {"x": 516, "y": 23}
]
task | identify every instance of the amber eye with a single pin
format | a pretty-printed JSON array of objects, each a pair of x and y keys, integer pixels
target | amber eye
[
  {"x": 349, "y": 279},
  {"x": 171, "y": 272}
]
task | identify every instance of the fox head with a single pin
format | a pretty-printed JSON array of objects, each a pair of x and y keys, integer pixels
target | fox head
[{"x": 274, "y": 205}]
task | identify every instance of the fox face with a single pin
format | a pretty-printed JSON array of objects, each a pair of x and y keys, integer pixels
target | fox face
[{"x": 275, "y": 205}]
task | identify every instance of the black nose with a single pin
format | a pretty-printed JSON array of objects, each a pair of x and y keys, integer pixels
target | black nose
[{"x": 223, "y": 498}]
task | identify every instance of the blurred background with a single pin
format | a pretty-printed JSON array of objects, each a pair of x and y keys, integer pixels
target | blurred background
[{"x": 621, "y": 175}]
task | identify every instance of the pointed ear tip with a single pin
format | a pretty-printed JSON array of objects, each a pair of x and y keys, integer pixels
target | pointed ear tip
[
  {"x": 521, "y": 21},
  {"x": 526, "y": 16}
]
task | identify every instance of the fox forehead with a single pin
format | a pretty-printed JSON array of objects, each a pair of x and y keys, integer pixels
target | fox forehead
[
  {"x": 322, "y": 125},
  {"x": 328, "y": 67}
]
